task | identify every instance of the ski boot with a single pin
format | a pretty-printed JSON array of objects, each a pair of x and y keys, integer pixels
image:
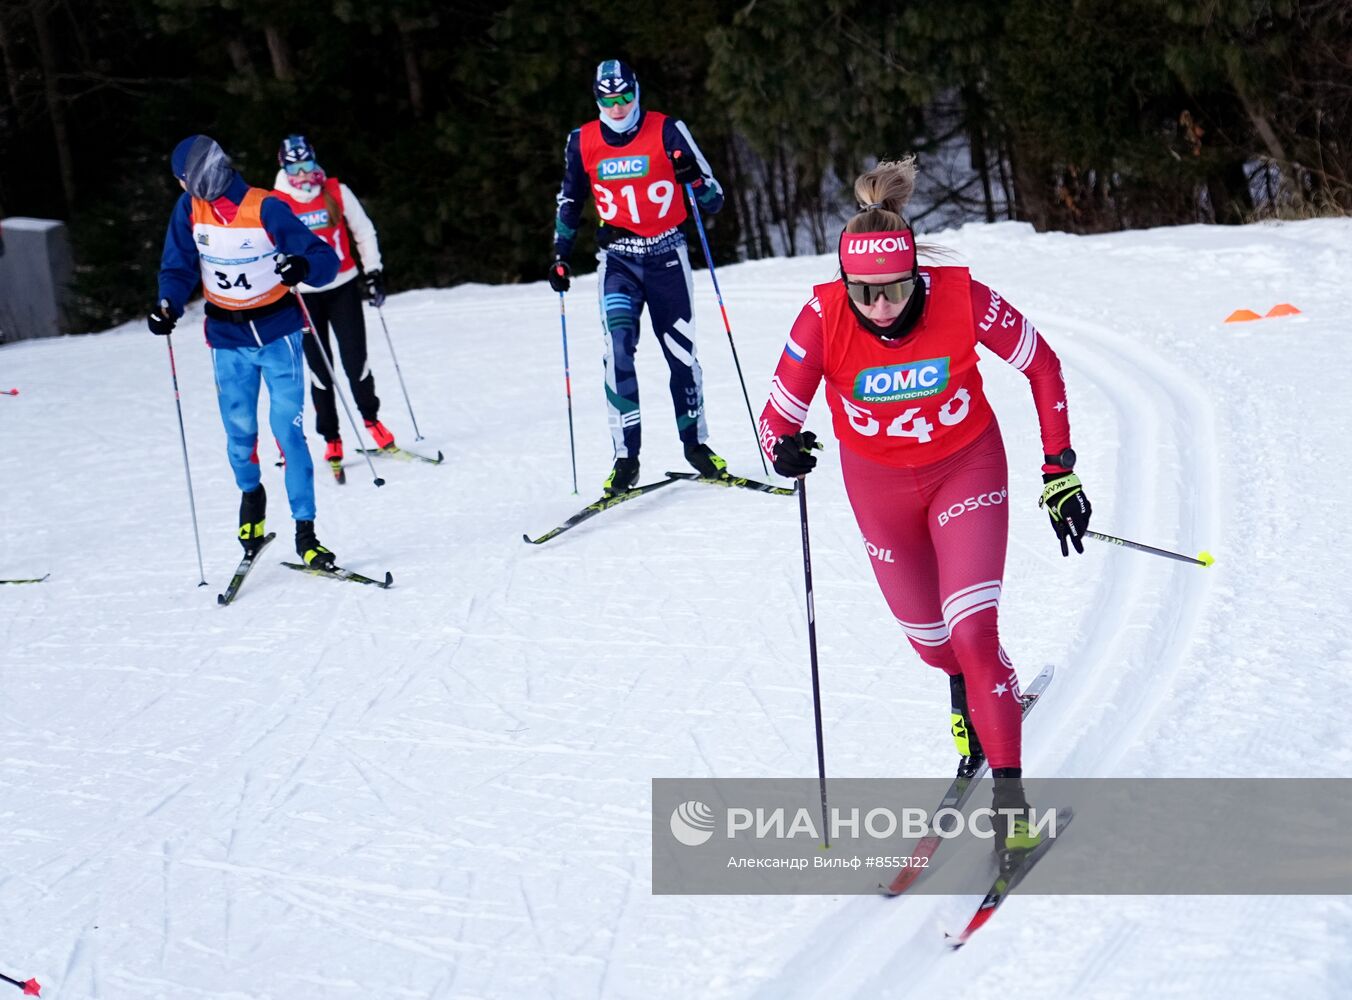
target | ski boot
[
  {"x": 1014, "y": 834},
  {"x": 309, "y": 549},
  {"x": 333, "y": 451},
  {"x": 252, "y": 525},
  {"x": 964, "y": 735},
  {"x": 703, "y": 460},
  {"x": 383, "y": 438},
  {"x": 622, "y": 477}
]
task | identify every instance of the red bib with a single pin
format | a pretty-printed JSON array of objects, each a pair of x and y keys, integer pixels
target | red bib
[
  {"x": 324, "y": 217},
  {"x": 911, "y": 403},
  {"x": 634, "y": 184}
]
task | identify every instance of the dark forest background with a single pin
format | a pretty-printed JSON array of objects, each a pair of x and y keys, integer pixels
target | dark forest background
[{"x": 448, "y": 120}]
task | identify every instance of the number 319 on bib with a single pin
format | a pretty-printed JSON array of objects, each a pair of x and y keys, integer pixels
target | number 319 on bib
[{"x": 659, "y": 195}]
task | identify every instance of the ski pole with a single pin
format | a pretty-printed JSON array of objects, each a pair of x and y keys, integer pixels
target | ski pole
[
  {"x": 333, "y": 381},
  {"x": 568, "y": 386},
  {"x": 812, "y": 654},
  {"x": 32, "y": 988},
  {"x": 1202, "y": 558},
  {"x": 398, "y": 371},
  {"x": 708, "y": 259},
  {"x": 187, "y": 471}
]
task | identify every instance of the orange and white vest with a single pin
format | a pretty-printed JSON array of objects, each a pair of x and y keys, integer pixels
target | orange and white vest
[{"x": 238, "y": 258}]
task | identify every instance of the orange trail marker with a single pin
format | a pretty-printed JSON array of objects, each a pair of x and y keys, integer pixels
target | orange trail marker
[
  {"x": 1282, "y": 309},
  {"x": 1242, "y": 316}
]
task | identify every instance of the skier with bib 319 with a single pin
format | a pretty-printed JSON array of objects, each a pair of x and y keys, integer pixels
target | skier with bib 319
[
  {"x": 247, "y": 251},
  {"x": 635, "y": 162},
  {"x": 333, "y": 213},
  {"x": 923, "y": 461}
]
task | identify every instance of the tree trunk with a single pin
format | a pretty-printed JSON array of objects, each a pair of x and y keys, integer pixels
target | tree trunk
[
  {"x": 239, "y": 58},
  {"x": 976, "y": 138},
  {"x": 772, "y": 194},
  {"x": 739, "y": 185},
  {"x": 412, "y": 72},
  {"x": 280, "y": 53},
  {"x": 1032, "y": 178},
  {"x": 1263, "y": 128},
  {"x": 789, "y": 199},
  {"x": 55, "y": 106},
  {"x": 11, "y": 70},
  {"x": 1231, "y": 200},
  {"x": 1006, "y": 184}
]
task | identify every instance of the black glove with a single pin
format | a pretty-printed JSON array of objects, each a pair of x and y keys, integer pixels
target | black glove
[
  {"x": 375, "y": 287},
  {"x": 793, "y": 454},
  {"x": 162, "y": 318},
  {"x": 686, "y": 168},
  {"x": 560, "y": 275},
  {"x": 293, "y": 270},
  {"x": 1068, "y": 508}
]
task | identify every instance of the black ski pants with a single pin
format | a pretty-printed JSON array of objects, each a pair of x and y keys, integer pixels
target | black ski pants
[{"x": 341, "y": 309}]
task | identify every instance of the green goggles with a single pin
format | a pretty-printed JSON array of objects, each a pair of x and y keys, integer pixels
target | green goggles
[
  {"x": 895, "y": 292},
  {"x": 616, "y": 100}
]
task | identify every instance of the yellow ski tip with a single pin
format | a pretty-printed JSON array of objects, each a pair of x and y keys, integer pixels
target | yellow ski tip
[{"x": 1205, "y": 558}]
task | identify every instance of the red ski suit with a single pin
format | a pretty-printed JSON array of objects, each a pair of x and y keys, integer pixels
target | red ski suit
[{"x": 925, "y": 468}]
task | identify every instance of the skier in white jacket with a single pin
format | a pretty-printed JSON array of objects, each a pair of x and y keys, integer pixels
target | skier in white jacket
[{"x": 333, "y": 213}]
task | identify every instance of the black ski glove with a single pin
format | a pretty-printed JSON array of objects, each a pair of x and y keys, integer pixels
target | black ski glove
[
  {"x": 375, "y": 287},
  {"x": 560, "y": 275},
  {"x": 686, "y": 168},
  {"x": 293, "y": 270},
  {"x": 1068, "y": 508},
  {"x": 162, "y": 318},
  {"x": 793, "y": 454}
]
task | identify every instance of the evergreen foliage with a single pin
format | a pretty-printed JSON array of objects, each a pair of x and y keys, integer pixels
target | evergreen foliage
[{"x": 449, "y": 120}]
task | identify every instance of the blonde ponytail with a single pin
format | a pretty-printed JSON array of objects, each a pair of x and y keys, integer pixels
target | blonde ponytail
[{"x": 884, "y": 193}]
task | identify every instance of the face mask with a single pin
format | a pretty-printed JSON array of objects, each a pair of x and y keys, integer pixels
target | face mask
[
  {"x": 624, "y": 124},
  {"x": 306, "y": 175},
  {"x": 206, "y": 169},
  {"x": 904, "y": 322}
]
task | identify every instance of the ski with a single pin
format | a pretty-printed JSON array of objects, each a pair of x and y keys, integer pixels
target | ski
[
  {"x": 338, "y": 474},
  {"x": 338, "y": 573},
  {"x": 1006, "y": 881},
  {"x": 728, "y": 479},
  {"x": 242, "y": 570},
  {"x": 35, "y": 579},
  {"x": 592, "y": 509},
  {"x": 957, "y": 795},
  {"x": 394, "y": 451}
]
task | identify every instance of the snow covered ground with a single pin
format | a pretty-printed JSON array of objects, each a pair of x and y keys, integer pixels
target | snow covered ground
[{"x": 329, "y": 791}]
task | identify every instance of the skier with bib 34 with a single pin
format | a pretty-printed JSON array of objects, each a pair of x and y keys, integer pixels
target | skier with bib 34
[
  {"x": 247, "y": 251},
  {"x": 635, "y": 162},
  {"x": 923, "y": 461}
]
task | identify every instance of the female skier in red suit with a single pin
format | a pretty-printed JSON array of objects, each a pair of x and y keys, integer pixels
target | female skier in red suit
[{"x": 922, "y": 457}]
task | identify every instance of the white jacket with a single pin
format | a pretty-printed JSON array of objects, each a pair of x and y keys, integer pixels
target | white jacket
[{"x": 359, "y": 226}]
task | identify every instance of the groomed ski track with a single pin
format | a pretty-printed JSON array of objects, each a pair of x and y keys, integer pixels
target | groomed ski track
[{"x": 442, "y": 790}]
